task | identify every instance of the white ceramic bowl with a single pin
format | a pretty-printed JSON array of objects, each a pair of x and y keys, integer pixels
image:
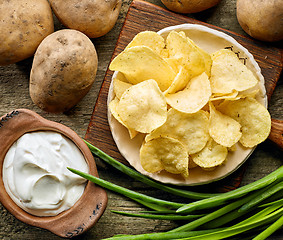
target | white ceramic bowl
[{"x": 210, "y": 40}]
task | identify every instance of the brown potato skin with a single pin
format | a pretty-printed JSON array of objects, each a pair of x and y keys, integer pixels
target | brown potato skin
[
  {"x": 24, "y": 24},
  {"x": 261, "y": 19},
  {"x": 63, "y": 70},
  {"x": 94, "y": 18},
  {"x": 189, "y": 6}
]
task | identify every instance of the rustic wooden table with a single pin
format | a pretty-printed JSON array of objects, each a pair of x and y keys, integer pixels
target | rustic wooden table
[{"x": 14, "y": 93}]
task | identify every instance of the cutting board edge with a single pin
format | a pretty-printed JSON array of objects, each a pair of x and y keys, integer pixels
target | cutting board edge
[{"x": 109, "y": 73}]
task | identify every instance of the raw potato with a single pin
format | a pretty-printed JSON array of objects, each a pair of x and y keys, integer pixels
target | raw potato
[
  {"x": 63, "y": 70},
  {"x": 24, "y": 24},
  {"x": 262, "y": 20},
  {"x": 94, "y": 18},
  {"x": 189, "y": 6}
]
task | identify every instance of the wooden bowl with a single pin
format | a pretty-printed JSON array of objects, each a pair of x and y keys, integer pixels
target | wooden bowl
[{"x": 86, "y": 211}]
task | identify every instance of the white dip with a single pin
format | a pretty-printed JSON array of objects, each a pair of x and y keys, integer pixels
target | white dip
[{"x": 35, "y": 173}]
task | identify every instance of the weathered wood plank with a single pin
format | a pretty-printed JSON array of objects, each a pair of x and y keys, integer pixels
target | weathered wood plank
[{"x": 14, "y": 94}]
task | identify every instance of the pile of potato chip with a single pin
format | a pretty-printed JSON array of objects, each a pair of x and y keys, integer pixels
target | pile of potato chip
[{"x": 193, "y": 107}]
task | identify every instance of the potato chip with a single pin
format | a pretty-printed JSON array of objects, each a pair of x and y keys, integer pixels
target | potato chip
[
  {"x": 253, "y": 117},
  {"x": 164, "y": 53},
  {"x": 192, "y": 164},
  {"x": 141, "y": 63},
  {"x": 150, "y": 156},
  {"x": 219, "y": 96},
  {"x": 174, "y": 64},
  {"x": 150, "y": 39},
  {"x": 232, "y": 148},
  {"x": 180, "y": 81},
  {"x": 206, "y": 57},
  {"x": 211, "y": 155},
  {"x": 235, "y": 95},
  {"x": 181, "y": 48},
  {"x": 190, "y": 129},
  {"x": 113, "y": 106},
  {"x": 228, "y": 73},
  {"x": 223, "y": 129},
  {"x": 121, "y": 77},
  {"x": 194, "y": 97},
  {"x": 182, "y": 33},
  {"x": 252, "y": 94},
  {"x": 119, "y": 87},
  {"x": 165, "y": 153},
  {"x": 206, "y": 107},
  {"x": 143, "y": 107}
]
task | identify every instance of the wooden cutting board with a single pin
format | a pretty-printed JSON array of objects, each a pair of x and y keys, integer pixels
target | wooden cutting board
[{"x": 146, "y": 16}]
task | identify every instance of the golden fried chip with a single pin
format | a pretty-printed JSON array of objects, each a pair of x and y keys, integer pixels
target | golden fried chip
[
  {"x": 211, "y": 155},
  {"x": 174, "y": 64},
  {"x": 113, "y": 106},
  {"x": 234, "y": 95},
  {"x": 121, "y": 77},
  {"x": 182, "y": 33},
  {"x": 180, "y": 47},
  {"x": 141, "y": 63},
  {"x": 192, "y": 164},
  {"x": 194, "y": 97},
  {"x": 189, "y": 129},
  {"x": 143, "y": 107},
  {"x": 150, "y": 156},
  {"x": 164, "y": 153},
  {"x": 119, "y": 87},
  {"x": 206, "y": 57},
  {"x": 253, "y": 117},
  {"x": 229, "y": 96},
  {"x": 249, "y": 93},
  {"x": 164, "y": 53},
  {"x": 228, "y": 73},
  {"x": 150, "y": 39},
  {"x": 180, "y": 81},
  {"x": 232, "y": 148},
  {"x": 223, "y": 129}
]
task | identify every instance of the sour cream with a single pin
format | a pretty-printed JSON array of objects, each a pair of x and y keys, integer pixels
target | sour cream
[{"x": 35, "y": 173}]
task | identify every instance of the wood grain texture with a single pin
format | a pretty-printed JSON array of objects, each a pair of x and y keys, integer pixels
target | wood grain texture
[
  {"x": 146, "y": 16},
  {"x": 14, "y": 93},
  {"x": 276, "y": 134}
]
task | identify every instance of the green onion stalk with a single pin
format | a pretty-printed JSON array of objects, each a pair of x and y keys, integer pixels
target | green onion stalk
[
  {"x": 255, "y": 209},
  {"x": 136, "y": 175}
]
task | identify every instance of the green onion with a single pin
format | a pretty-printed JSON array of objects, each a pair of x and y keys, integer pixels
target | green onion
[
  {"x": 160, "y": 236},
  {"x": 271, "y": 229},
  {"x": 157, "y": 216},
  {"x": 259, "y": 205},
  {"x": 228, "y": 217},
  {"x": 151, "y": 205},
  {"x": 234, "y": 230},
  {"x": 223, "y": 198},
  {"x": 213, "y": 215},
  {"x": 134, "y": 174},
  {"x": 262, "y": 213},
  {"x": 235, "y": 214},
  {"x": 279, "y": 201},
  {"x": 266, "y": 194},
  {"x": 160, "y": 212},
  {"x": 126, "y": 192}
]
